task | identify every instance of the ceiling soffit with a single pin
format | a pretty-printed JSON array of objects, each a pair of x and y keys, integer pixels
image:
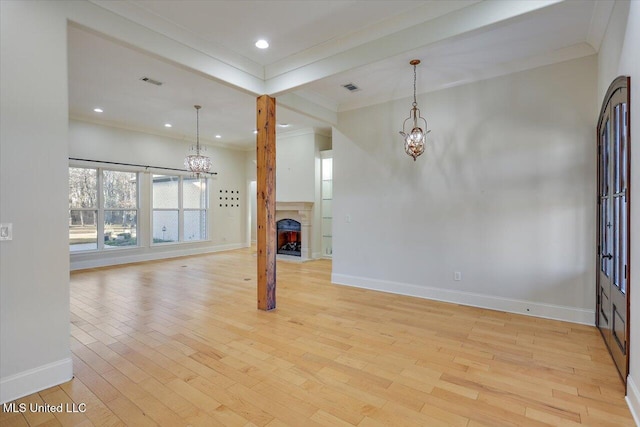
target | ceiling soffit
[
  {"x": 437, "y": 21},
  {"x": 429, "y": 24}
]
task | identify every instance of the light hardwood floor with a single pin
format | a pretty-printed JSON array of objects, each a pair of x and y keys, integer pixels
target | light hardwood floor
[{"x": 180, "y": 343}]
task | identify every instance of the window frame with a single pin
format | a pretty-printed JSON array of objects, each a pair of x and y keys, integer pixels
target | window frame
[
  {"x": 104, "y": 209},
  {"x": 94, "y": 209},
  {"x": 100, "y": 208},
  {"x": 180, "y": 209},
  {"x": 203, "y": 210}
]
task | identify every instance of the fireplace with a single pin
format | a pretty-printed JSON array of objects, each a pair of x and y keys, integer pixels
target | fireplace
[
  {"x": 293, "y": 227},
  {"x": 289, "y": 237}
]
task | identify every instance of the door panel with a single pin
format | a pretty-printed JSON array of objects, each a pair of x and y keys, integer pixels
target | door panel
[
  {"x": 613, "y": 224},
  {"x": 604, "y": 273},
  {"x": 618, "y": 329}
]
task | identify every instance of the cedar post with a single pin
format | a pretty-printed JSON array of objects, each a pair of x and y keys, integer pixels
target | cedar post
[{"x": 266, "y": 206}]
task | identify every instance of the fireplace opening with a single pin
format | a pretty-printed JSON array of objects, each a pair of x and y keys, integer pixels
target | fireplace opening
[{"x": 289, "y": 238}]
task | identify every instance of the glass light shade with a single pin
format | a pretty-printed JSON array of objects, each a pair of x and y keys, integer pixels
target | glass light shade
[
  {"x": 414, "y": 139},
  {"x": 197, "y": 163},
  {"x": 414, "y": 147},
  {"x": 416, "y": 135}
]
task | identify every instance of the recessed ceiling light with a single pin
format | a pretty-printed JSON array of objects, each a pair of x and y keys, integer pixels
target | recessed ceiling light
[
  {"x": 218, "y": 136},
  {"x": 283, "y": 125},
  {"x": 262, "y": 44},
  {"x": 255, "y": 132},
  {"x": 98, "y": 110},
  {"x": 168, "y": 125}
]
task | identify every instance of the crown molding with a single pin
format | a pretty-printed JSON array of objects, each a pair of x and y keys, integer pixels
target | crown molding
[
  {"x": 97, "y": 16},
  {"x": 600, "y": 16}
]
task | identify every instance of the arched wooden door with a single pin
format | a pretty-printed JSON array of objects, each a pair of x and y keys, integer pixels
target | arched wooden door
[{"x": 612, "y": 301}]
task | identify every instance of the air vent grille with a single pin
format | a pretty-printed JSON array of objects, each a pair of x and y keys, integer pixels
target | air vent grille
[
  {"x": 150, "y": 80},
  {"x": 351, "y": 87}
]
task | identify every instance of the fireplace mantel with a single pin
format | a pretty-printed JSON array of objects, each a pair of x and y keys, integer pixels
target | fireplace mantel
[
  {"x": 304, "y": 209},
  {"x": 303, "y": 213}
]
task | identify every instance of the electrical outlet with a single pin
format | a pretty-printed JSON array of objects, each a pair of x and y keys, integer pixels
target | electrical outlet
[
  {"x": 6, "y": 231},
  {"x": 457, "y": 276}
]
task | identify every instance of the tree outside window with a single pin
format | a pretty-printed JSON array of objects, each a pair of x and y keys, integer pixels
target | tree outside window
[{"x": 102, "y": 203}]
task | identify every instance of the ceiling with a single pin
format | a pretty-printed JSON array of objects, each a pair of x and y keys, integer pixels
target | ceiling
[{"x": 203, "y": 52}]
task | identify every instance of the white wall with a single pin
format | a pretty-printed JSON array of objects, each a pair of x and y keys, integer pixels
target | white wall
[
  {"x": 611, "y": 49},
  {"x": 34, "y": 266},
  {"x": 227, "y": 225},
  {"x": 503, "y": 194},
  {"x": 295, "y": 167},
  {"x": 620, "y": 55},
  {"x": 251, "y": 171}
]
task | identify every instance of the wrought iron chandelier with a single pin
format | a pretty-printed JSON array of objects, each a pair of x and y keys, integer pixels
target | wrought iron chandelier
[
  {"x": 197, "y": 163},
  {"x": 414, "y": 135}
]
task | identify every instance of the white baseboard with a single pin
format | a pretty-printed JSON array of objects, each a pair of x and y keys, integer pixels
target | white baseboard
[
  {"x": 633, "y": 399},
  {"x": 128, "y": 258},
  {"x": 25, "y": 383},
  {"x": 529, "y": 308}
]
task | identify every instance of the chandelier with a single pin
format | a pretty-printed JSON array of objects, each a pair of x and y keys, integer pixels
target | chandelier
[
  {"x": 414, "y": 135},
  {"x": 197, "y": 163}
]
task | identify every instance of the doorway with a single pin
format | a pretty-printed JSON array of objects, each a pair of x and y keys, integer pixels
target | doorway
[{"x": 613, "y": 237}]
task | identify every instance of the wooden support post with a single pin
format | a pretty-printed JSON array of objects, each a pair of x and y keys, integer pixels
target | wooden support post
[{"x": 266, "y": 184}]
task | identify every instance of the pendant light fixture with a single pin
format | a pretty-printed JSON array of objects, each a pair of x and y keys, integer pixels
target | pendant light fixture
[
  {"x": 197, "y": 163},
  {"x": 414, "y": 135}
]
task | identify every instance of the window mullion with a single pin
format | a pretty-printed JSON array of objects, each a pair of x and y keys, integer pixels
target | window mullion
[
  {"x": 151, "y": 209},
  {"x": 180, "y": 210},
  {"x": 100, "y": 208}
]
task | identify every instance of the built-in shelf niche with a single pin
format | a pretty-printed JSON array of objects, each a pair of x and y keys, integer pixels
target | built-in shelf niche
[{"x": 326, "y": 203}]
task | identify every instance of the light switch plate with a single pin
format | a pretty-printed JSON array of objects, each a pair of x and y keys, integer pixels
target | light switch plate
[{"x": 6, "y": 231}]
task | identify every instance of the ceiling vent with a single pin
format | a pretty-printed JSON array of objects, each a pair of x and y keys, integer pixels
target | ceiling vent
[
  {"x": 351, "y": 87},
  {"x": 150, "y": 80}
]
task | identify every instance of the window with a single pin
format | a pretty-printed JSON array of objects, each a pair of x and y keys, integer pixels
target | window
[
  {"x": 166, "y": 210},
  {"x": 194, "y": 202},
  {"x": 83, "y": 209},
  {"x": 179, "y": 209},
  {"x": 104, "y": 209},
  {"x": 102, "y": 203},
  {"x": 120, "y": 196}
]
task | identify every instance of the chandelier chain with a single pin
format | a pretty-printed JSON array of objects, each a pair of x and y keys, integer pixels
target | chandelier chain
[
  {"x": 415, "y": 103},
  {"x": 197, "y": 130}
]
